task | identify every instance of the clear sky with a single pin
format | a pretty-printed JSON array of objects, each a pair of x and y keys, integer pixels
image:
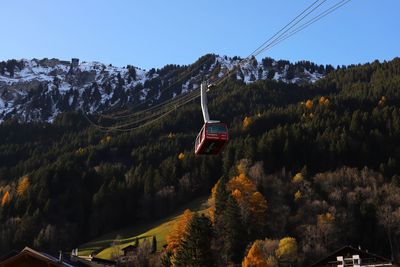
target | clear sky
[{"x": 152, "y": 33}]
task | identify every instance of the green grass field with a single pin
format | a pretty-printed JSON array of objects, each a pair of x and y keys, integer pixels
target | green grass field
[{"x": 102, "y": 246}]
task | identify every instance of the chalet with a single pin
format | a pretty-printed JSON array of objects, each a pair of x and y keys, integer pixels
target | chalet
[
  {"x": 349, "y": 256},
  {"x": 32, "y": 258},
  {"x": 130, "y": 250},
  {"x": 90, "y": 261}
]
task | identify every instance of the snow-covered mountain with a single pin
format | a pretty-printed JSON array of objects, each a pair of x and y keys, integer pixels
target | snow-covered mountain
[{"x": 38, "y": 90}]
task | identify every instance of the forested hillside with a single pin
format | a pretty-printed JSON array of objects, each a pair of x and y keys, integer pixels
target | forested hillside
[{"x": 308, "y": 168}]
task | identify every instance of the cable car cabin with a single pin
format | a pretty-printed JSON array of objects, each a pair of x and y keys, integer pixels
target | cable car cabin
[{"x": 211, "y": 139}]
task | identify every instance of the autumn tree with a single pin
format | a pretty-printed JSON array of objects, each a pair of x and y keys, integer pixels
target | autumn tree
[
  {"x": 174, "y": 239},
  {"x": 286, "y": 252},
  {"x": 195, "y": 248},
  {"x": 309, "y": 104},
  {"x": 262, "y": 254},
  {"x": 271, "y": 253},
  {"x": 254, "y": 257},
  {"x": 22, "y": 185},
  {"x": 247, "y": 121},
  {"x": 5, "y": 199},
  {"x": 252, "y": 203}
]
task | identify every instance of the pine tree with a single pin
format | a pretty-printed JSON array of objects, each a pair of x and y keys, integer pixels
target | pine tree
[
  {"x": 195, "y": 249},
  {"x": 154, "y": 244},
  {"x": 234, "y": 236}
]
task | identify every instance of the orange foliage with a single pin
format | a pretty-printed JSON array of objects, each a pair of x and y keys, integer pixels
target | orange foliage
[
  {"x": 323, "y": 101},
  {"x": 254, "y": 257},
  {"x": 251, "y": 202},
  {"x": 211, "y": 201},
  {"x": 6, "y": 198},
  {"x": 181, "y": 156},
  {"x": 309, "y": 104},
  {"x": 174, "y": 238},
  {"x": 247, "y": 122},
  {"x": 22, "y": 185}
]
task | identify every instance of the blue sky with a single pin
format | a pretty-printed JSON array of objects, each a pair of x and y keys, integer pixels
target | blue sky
[{"x": 152, "y": 33}]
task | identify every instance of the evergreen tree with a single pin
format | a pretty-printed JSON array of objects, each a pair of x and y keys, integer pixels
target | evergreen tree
[
  {"x": 195, "y": 249},
  {"x": 234, "y": 235},
  {"x": 154, "y": 244}
]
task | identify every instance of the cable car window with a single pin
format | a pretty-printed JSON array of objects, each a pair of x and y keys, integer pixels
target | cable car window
[{"x": 216, "y": 128}]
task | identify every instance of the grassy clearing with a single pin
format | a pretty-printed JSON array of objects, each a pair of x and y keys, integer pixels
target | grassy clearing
[{"x": 102, "y": 246}]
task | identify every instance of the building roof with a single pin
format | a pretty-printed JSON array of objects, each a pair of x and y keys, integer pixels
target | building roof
[
  {"x": 348, "y": 251},
  {"x": 129, "y": 247},
  {"x": 28, "y": 254}
]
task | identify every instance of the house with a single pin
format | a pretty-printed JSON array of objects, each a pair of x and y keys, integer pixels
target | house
[
  {"x": 90, "y": 261},
  {"x": 31, "y": 258},
  {"x": 130, "y": 250},
  {"x": 350, "y": 256}
]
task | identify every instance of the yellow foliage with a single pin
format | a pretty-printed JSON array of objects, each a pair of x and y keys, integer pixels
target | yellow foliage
[
  {"x": 287, "y": 249},
  {"x": 298, "y": 178},
  {"x": 309, "y": 104},
  {"x": 105, "y": 139},
  {"x": 254, "y": 257},
  {"x": 22, "y": 185},
  {"x": 247, "y": 122},
  {"x": 6, "y": 198},
  {"x": 297, "y": 195},
  {"x": 181, "y": 156},
  {"x": 174, "y": 238},
  {"x": 326, "y": 102}
]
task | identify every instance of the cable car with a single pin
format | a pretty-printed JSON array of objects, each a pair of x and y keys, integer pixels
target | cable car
[
  {"x": 213, "y": 135},
  {"x": 211, "y": 139}
]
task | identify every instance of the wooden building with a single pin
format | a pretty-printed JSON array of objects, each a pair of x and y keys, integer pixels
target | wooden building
[
  {"x": 32, "y": 258},
  {"x": 350, "y": 256}
]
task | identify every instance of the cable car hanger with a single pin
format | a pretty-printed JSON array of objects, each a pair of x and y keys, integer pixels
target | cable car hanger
[{"x": 213, "y": 136}]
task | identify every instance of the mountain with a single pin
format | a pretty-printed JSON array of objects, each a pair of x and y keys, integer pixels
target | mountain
[
  {"x": 39, "y": 90},
  {"x": 324, "y": 156}
]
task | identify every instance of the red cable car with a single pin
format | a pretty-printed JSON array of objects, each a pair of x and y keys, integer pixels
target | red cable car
[
  {"x": 214, "y": 134},
  {"x": 211, "y": 139}
]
